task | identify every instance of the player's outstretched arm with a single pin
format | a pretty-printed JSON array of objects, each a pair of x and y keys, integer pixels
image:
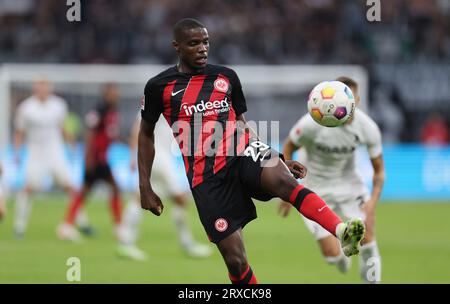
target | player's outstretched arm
[
  {"x": 377, "y": 187},
  {"x": 146, "y": 154}
]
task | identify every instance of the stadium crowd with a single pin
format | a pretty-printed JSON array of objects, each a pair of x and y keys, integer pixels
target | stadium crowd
[
  {"x": 251, "y": 32},
  {"x": 254, "y": 31}
]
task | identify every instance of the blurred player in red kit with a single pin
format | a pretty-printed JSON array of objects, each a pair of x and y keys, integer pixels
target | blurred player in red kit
[{"x": 103, "y": 129}]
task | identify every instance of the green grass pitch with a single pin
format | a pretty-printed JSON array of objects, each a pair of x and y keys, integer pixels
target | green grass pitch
[{"x": 414, "y": 241}]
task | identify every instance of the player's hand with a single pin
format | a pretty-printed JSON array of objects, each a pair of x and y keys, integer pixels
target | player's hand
[
  {"x": 150, "y": 201},
  {"x": 296, "y": 168},
  {"x": 284, "y": 208}
]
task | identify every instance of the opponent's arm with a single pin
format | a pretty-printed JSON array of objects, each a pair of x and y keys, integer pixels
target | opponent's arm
[
  {"x": 19, "y": 136},
  {"x": 146, "y": 154},
  {"x": 377, "y": 187}
]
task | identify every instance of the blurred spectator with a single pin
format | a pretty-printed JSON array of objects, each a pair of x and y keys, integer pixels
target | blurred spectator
[
  {"x": 252, "y": 31},
  {"x": 388, "y": 116},
  {"x": 435, "y": 130}
]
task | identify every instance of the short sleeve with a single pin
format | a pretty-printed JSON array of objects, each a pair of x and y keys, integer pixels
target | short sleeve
[
  {"x": 151, "y": 102},
  {"x": 237, "y": 95},
  {"x": 302, "y": 131}
]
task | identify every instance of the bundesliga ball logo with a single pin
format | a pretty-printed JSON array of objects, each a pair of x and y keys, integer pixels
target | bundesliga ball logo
[{"x": 331, "y": 103}]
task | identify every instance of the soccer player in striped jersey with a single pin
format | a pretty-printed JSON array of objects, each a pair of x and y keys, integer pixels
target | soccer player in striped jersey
[{"x": 226, "y": 164}]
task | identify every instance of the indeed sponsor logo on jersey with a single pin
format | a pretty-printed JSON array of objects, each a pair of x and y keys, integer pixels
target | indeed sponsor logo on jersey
[
  {"x": 207, "y": 108},
  {"x": 338, "y": 150}
]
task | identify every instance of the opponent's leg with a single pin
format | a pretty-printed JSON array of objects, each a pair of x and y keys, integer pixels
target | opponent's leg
[
  {"x": 278, "y": 180},
  {"x": 233, "y": 253},
  {"x": 22, "y": 211},
  {"x": 179, "y": 216},
  {"x": 115, "y": 202},
  {"x": 332, "y": 252},
  {"x": 66, "y": 230},
  {"x": 128, "y": 231}
]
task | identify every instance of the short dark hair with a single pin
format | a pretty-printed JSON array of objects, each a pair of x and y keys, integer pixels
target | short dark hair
[
  {"x": 348, "y": 81},
  {"x": 183, "y": 25}
]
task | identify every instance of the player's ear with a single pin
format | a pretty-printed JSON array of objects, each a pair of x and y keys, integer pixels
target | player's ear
[{"x": 176, "y": 45}]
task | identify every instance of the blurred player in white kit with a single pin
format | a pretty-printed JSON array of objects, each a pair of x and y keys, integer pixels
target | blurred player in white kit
[
  {"x": 329, "y": 155},
  {"x": 39, "y": 123},
  {"x": 164, "y": 178}
]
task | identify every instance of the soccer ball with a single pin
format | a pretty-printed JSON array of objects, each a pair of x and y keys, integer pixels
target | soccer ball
[{"x": 331, "y": 103}]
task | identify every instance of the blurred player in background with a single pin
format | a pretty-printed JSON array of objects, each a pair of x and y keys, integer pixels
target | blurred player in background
[
  {"x": 39, "y": 122},
  {"x": 103, "y": 130},
  {"x": 164, "y": 179},
  {"x": 2, "y": 198},
  {"x": 330, "y": 154},
  {"x": 228, "y": 165}
]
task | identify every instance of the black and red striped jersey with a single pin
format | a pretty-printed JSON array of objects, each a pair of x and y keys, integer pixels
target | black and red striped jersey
[
  {"x": 201, "y": 108},
  {"x": 104, "y": 122}
]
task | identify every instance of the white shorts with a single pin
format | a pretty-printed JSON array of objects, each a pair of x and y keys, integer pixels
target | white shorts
[
  {"x": 41, "y": 164},
  {"x": 351, "y": 208},
  {"x": 165, "y": 180}
]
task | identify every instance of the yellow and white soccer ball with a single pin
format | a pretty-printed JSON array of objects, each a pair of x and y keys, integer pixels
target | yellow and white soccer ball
[{"x": 331, "y": 103}]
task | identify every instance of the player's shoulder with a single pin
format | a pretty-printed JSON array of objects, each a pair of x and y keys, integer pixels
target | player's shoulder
[
  {"x": 28, "y": 101},
  {"x": 363, "y": 119},
  {"x": 305, "y": 126},
  {"x": 221, "y": 69},
  {"x": 28, "y": 104},
  {"x": 58, "y": 101},
  {"x": 307, "y": 122},
  {"x": 162, "y": 77},
  {"x": 366, "y": 125}
]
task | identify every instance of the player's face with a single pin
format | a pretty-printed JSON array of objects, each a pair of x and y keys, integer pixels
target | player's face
[
  {"x": 42, "y": 89},
  {"x": 111, "y": 95},
  {"x": 193, "y": 48}
]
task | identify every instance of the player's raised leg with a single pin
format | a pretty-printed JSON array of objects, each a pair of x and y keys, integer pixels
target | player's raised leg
[
  {"x": 278, "y": 180},
  {"x": 233, "y": 253}
]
